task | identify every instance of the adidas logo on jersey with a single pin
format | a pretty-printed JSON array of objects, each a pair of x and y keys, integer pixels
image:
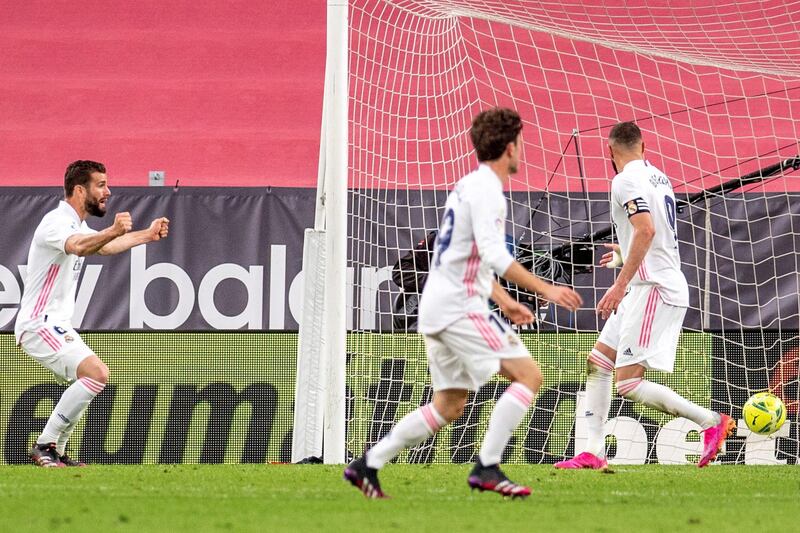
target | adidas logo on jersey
[{"x": 627, "y": 352}]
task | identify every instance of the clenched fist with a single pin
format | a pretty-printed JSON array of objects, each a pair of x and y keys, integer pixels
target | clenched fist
[
  {"x": 159, "y": 228},
  {"x": 122, "y": 223}
]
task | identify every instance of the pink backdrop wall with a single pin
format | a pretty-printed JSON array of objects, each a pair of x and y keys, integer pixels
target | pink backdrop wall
[
  {"x": 214, "y": 93},
  {"x": 230, "y": 93}
]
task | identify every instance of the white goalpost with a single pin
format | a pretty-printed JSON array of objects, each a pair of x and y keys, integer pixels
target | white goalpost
[
  {"x": 319, "y": 416},
  {"x": 715, "y": 88}
]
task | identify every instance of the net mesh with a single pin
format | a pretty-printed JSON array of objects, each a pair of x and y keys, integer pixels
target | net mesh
[{"x": 716, "y": 91}]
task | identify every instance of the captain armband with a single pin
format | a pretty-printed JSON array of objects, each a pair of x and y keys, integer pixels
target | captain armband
[{"x": 637, "y": 205}]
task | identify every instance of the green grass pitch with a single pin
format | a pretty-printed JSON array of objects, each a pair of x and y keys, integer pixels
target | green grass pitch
[{"x": 424, "y": 498}]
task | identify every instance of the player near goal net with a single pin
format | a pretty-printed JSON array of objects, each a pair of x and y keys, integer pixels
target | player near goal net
[
  {"x": 466, "y": 344},
  {"x": 645, "y": 306}
]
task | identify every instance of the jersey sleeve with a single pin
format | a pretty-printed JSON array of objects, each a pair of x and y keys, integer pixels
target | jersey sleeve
[
  {"x": 628, "y": 195},
  {"x": 86, "y": 230},
  {"x": 55, "y": 231},
  {"x": 488, "y": 222}
]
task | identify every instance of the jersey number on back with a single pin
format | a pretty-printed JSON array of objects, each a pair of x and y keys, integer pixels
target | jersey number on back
[
  {"x": 669, "y": 205},
  {"x": 445, "y": 234}
]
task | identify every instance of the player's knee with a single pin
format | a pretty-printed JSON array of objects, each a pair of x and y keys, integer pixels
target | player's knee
[
  {"x": 532, "y": 378},
  {"x": 454, "y": 410},
  {"x": 94, "y": 369},
  {"x": 102, "y": 373},
  {"x": 537, "y": 379},
  {"x": 524, "y": 371}
]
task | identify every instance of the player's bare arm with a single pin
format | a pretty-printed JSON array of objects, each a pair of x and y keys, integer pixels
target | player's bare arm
[
  {"x": 516, "y": 312},
  {"x": 563, "y": 296},
  {"x": 158, "y": 229},
  {"x": 643, "y": 233},
  {"x": 83, "y": 244}
]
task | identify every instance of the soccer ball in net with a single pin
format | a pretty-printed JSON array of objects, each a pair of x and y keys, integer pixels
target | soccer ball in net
[{"x": 764, "y": 413}]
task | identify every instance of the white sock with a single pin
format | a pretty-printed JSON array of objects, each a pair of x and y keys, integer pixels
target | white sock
[
  {"x": 70, "y": 408},
  {"x": 61, "y": 443},
  {"x": 506, "y": 416},
  {"x": 666, "y": 400},
  {"x": 412, "y": 429},
  {"x": 598, "y": 401}
]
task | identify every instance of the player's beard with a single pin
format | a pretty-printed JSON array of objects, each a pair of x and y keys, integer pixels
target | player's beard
[{"x": 94, "y": 208}]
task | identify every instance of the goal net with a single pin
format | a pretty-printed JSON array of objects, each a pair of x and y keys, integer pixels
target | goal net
[{"x": 715, "y": 88}]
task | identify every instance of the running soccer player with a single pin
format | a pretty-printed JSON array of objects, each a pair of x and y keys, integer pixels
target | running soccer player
[
  {"x": 467, "y": 344},
  {"x": 43, "y": 328},
  {"x": 643, "y": 324}
]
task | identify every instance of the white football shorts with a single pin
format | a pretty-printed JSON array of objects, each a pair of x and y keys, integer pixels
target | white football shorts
[
  {"x": 467, "y": 353},
  {"x": 644, "y": 330},
  {"x": 58, "y": 348}
]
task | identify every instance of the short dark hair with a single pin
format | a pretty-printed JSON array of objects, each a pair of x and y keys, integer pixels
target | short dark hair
[
  {"x": 80, "y": 173},
  {"x": 625, "y": 134},
  {"x": 492, "y": 130}
]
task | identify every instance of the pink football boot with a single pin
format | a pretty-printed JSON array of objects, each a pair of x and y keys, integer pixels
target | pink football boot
[
  {"x": 714, "y": 437},
  {"x": 583, "y": 460}
]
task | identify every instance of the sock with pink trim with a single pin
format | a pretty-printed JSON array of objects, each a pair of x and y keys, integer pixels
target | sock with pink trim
[
  {"x": 69, "y": 409},
  {"x": 598, "y": 401},
  {"x": 412, "y": 429},
  {"x": 506, "y": 416},
  {"x": 666, "y": 400}
]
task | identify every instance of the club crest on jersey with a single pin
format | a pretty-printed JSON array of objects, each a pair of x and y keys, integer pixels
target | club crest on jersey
[{"x": 68, "y": 338}]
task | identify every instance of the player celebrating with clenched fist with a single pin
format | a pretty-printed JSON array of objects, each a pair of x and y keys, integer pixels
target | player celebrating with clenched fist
[{"x": 43, "y": 328}]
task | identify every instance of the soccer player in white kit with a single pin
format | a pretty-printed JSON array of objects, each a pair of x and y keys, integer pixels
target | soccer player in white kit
[
  {"x": 467, "y": 344},
  {"x": 643, "y": 325},
  {"x": 43, "y": 327}
]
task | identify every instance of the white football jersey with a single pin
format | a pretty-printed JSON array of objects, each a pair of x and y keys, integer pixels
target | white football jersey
[
  {"x": 641, "y": 187},
  {"x": 470, "y": 248},
  {"x": 52, "y": 273}
]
